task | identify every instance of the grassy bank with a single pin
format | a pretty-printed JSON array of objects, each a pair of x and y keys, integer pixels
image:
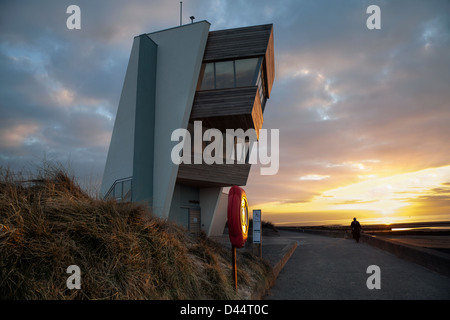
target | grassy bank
[{"x": 49, "y": 223}]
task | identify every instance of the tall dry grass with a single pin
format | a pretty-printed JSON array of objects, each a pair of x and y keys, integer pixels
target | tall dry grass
[{"x": 49, "y": 223}]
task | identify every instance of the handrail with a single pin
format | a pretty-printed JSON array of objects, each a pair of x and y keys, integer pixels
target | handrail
[{"x": 123, "y": 195}]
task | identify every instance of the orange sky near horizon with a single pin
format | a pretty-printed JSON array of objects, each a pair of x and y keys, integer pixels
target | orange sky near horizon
[{"x": 408, "y": 197}]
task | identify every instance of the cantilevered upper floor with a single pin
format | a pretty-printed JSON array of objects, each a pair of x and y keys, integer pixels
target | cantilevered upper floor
[
  {"x": 235, "y": 79},
  {"x": 233, "y": 86}
]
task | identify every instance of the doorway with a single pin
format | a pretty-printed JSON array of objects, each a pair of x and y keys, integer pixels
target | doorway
[{"x": 194, "y": 220}]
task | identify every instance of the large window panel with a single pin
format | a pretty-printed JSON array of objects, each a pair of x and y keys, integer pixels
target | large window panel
[
  {"x": 261, "y": 89},
  {"x": 208, "y": 77},
  {"x": 246, "y": 72},
  {"x": 225, "y": 75},
  {"x": 230, "y": 74}
]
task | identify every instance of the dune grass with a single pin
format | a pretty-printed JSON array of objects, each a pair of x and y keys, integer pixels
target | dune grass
[{"x": 49, "y": 223}]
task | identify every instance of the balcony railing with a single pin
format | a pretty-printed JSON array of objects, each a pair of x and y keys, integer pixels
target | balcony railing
[{"x": 121, "y": 190}]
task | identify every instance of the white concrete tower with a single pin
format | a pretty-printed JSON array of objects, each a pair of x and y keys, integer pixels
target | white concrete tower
[{"x": 174, "y": 78}]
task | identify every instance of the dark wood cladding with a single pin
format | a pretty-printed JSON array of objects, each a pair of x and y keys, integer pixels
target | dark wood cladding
[
  {"x": 234, "y": 108},
  {"x": 270, "y": 64},
  {"x": 237, "y": 43},
  {"x": 228, "y": 108},
  {"x": 242, "y": 43},
  {"x": 214, "y": 175},
  {"x": 223, "y": 102},
  {"x": 257, "y": 115}
]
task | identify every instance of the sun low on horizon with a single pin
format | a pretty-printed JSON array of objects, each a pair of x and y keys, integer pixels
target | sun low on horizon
[{"x": 407, "y": 197}]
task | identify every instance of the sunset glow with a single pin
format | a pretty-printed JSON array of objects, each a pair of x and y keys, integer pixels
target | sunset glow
[{"x": 397, "y": 198}]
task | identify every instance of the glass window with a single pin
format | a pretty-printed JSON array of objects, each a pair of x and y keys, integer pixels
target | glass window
[
  {"x": 230, "y": 74},
  {"x": 246, "y": 72},
  {"x": 261, "y": 89},
  {"x": 224, "y": 74},
  {"x": 208, "y": 77}
]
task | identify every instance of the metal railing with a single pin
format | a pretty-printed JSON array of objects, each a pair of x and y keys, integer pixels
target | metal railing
[{"x": 121, "y": 190}]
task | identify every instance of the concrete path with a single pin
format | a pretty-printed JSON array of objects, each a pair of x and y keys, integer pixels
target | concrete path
[{"x": 334, "y": 268}]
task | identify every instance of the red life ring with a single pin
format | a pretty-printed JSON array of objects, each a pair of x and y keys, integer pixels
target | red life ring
[{"x": 237, "y": 213}]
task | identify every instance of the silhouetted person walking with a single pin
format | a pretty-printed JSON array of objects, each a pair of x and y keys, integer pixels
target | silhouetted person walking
[{"x": 356, "y": 229}]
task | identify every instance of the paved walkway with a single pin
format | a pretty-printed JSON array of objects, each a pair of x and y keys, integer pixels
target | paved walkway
[{"x": 334, "y": 268}]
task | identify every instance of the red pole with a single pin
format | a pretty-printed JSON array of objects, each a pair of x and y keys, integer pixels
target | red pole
[{"x": 234, "y": 266}]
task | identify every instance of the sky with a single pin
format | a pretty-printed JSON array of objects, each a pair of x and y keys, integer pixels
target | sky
[{"x": 363, "y": 115}]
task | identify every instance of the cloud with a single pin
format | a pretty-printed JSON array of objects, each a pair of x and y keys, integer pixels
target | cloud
[
  {"x": 434, "y": 195},
  {"x": 17, "y": 135},
  {"x": 314, "y": 177}
]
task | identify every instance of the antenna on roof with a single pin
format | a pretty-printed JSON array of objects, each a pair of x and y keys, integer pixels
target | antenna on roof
[{"x": 181, "y": 12}]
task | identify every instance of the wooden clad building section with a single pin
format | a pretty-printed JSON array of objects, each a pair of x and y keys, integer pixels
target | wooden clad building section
[
  {"x": 257, "y": 115},
  {"x": 228, "y": 108},
  {"x": 237, "y": 43},
  {"x": 242, "y": 43},
  {"x": 213, "y": 175},
  {"x": 222, "y": 102},
  {"x": 270, "y": 64},
  {"x": 231, "y": 108}
]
